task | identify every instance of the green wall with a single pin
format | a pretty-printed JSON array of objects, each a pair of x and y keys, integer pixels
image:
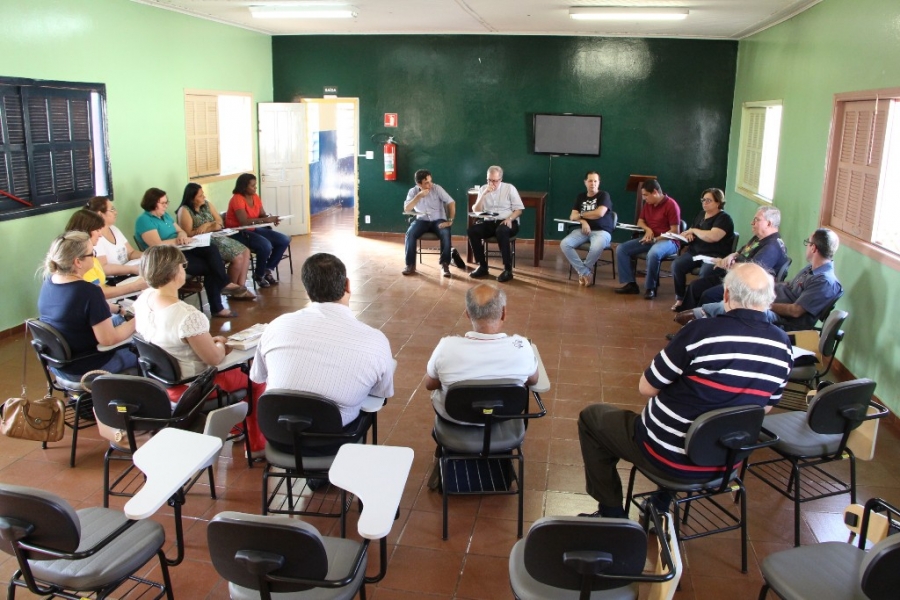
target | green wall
[
  {"x": 466, "y": 102},
  {"x": 146, "y": 57},
  {"x": 836, "y": 46}
]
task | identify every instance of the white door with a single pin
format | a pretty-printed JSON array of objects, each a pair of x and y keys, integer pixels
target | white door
[{"x": 283, "y": 164}]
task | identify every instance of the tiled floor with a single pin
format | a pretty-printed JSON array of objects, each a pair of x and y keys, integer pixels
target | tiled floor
[{"x": 594, "y": 345}]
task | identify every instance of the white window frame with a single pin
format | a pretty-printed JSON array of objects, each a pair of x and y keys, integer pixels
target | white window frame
[
  {"x": 207, "y": 128},
  {"x": 760, "y": 138},
  {"x": 853, "y": 209}
]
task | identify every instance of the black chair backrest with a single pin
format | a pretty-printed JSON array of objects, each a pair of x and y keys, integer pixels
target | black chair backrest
[
  {"x": 465, "y": 400},
  {"x": 49, "y": 343},
  {"x": 146, "y": 399},
  {"x": 715, "y": 437},
  {"x": 551, "y": 537},
  {"x": 56, "y": 525},
  {"x": 615, "y": 219},
  {"x": 196, "y": 393},
  {"x": 735, "y": 240},
  {"x": 839, "y": 406},
  {"x": 294, "y": 545},
  {"x": 880, "y": 570},
  {"x": 157, "y": 363},
  {"x": 823, "y": 316},
  {"x": 782, "y": 273},
  {"x": 323, "y": 414},
  {"x": 831, "y": 332}
]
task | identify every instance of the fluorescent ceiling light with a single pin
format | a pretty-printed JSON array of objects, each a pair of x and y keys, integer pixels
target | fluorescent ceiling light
[
  {"x": 625, "y": 13},
  {"x": 301, "y": 12}
]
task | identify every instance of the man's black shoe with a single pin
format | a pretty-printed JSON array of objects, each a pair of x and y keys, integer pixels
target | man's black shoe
[
  {"x": 457, "y": 259},
  {"x": 316, "y": 484},
  {"x": 481, "y": 271},
  {"x": 505, "y": 276},
  {"x": 609, "y": 512},
  {"x": 650, "y": 294},
  {"x": 629, "y": 288}
]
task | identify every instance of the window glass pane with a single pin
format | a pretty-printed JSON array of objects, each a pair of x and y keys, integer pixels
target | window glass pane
[
  {"x": 235, "y": 141},
  {"x": 887, "y": 223},
  {"x": 769, "y": 160}
]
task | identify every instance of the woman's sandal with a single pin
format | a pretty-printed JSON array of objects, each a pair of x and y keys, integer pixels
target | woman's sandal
[
  {"x": 243, "y": 294},
  {"x": 229, "y": 315}
]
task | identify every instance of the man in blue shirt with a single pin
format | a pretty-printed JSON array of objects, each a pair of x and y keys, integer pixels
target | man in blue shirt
[
  {"x": 434, "y": 210},
  {"x": 738, "y": 359},
  {"x": 799, "y": 304}
]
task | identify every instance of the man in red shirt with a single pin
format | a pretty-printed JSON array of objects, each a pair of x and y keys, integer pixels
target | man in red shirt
[{"x": 660, "y": 214}]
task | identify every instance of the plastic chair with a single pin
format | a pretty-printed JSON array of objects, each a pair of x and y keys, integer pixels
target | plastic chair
[
  {"x": 564, "y": 558},
  {"x": 585, "y": 247},
  {"x": 829, "y": 340},
  {"x": 71, "y": 554},
  {"x": 838, "y": 570},
  {"x": 782, "y": 273},
  {"x": 157, "y": 364},
  {"x": 53, "y": 351},
  {"x": 261, "y": 556},
  {"x": 478, "y": 459},
  {"x": 807, "y": 441},
  {"x": 303, "y": 432},
  {"x": 488, "y": 253},
  {"x": 720, "y": 438}
]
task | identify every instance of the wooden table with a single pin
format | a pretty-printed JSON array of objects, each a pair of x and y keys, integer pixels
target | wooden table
[{"x": 535, "y": 200}]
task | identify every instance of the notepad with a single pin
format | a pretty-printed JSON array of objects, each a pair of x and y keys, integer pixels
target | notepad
[
  {"x": 674, "y": 236},
  {"x": 248, "y": 338}
]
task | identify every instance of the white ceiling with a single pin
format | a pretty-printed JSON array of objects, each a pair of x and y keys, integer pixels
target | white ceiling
[{"x": 708, "y": 19}]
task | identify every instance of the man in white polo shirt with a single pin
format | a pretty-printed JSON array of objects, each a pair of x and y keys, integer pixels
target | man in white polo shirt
[{"x": 483, "y": 354}]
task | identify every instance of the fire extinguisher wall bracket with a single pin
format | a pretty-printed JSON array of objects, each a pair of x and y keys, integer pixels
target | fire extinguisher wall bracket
[{"x": 390, "y": 160}]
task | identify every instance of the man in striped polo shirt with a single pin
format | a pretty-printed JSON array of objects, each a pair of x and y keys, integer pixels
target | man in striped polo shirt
[{"x": 736, "y": 359}]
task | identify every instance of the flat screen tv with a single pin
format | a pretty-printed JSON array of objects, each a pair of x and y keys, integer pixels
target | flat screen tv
[{"x": 567, "y": 134}]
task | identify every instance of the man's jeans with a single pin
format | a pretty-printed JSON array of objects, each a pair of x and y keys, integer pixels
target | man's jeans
[
  {"x": 419, "y": 227},
  {"x": 599, "y": 242}
]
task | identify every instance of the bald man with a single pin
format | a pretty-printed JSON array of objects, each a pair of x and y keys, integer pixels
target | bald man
[
  {"x": 736, "y": 359},
  {"x": 484, "y": 353}
]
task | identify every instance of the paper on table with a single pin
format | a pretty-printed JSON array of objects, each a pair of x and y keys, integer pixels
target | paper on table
[
  {"x": 248, "y": 338},
  {"x": 223, "y": 232},
  {"x": 797, "y": 351},
  {"x": 674, "y": 236},
  {"x": 705, "y": 259},
  {"x": 629, "y": 227},
  {"x": 198, "y": 241}
]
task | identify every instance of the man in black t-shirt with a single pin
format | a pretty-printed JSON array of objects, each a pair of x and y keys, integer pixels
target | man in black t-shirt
[{"x": 593, "y": 210}]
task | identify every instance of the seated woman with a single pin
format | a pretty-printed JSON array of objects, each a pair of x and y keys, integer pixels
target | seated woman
[
  {"x": 79, "y": 312},
  {"x": 245, "y": 208},
  {"x": 155, "y": 227},
  {"x": 197, "y": 215},
  {"x": 92, "y": 224},
  {"x": 182, "y": 330},
  {"x": 711, "y": 234},
  {"x": 112, "y": 247}
]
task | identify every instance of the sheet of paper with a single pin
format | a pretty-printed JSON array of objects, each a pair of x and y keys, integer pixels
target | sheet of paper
[{"x": 674, "y": 236}]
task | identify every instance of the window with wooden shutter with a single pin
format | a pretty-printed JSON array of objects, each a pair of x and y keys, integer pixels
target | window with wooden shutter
[
  {"x": 201, "y": 120},
  {"x": 758, "y": 149},
  {"x": 52, "y": 146},
  {"x": 862, "y": 180}
]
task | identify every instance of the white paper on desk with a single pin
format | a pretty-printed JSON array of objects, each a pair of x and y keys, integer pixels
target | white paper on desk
[
  {"x": 248, "y": 338},
  {"x": 674, "y": 236},
  {"x": 629, "y": 227},
  {"x": 797, "y": 352},
  {"x": 706, "y": 259},
  {"x": 223, "y": 233},
  {"x": 198, "y": 241}
]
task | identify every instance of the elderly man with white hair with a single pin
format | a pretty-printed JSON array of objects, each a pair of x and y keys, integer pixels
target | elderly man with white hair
[
  {"x": 736, "y": 359},
  {"x": 504, "y": 207}
]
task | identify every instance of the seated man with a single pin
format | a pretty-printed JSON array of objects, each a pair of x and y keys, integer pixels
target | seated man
[
  {"x": 482, "y": 354},
  {"x": 737, "y": 359},
  {"x": 593, "y": 210},
  {"x": 660, "y": 214},
  {"x": 765, "y": 248},
  {"x": 434, "y": 210},
  {"x": 797, "y": 304},
  {"x": 504, "y": 200},
  {"x": 322, "y": 348}
]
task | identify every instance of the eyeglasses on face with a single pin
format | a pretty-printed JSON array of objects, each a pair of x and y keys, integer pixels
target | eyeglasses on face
[
  {"x": 493, "y": 180},
  {"x": 808, "y": 243},
  {"x": 704, "y": 199}
]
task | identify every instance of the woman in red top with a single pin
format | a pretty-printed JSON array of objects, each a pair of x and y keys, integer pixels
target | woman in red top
[{"x": 245, "y": 208}]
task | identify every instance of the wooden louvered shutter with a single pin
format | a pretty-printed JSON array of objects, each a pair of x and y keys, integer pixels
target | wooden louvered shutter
[
  {"x": 14, "y": 176},
  {"x": 60, "y": 144},
  {"x": 753, "y": 148},
  {"x": 201, "y": 123},
  {"x": 859, "y": 167}
]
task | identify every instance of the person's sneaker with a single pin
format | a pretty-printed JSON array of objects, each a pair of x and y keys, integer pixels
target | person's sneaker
[
  {"x": 446, "y": 269},
  {"x": 505, "y": 276},
  {"x": 457, "y": 259},
  {"x": 409, "y": 270},
  {"x": 481, "y": 271},
  {"x": 270, "y": 277},
  {"x": 262, "y": 282},
  {"x": 629, "y": 288}
]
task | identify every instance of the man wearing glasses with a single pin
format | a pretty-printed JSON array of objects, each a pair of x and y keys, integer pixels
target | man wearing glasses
[
  {"x": 799, "y": 303},
  {"x": 503, "y": 205},
  {"x": 765, "y": 248}
]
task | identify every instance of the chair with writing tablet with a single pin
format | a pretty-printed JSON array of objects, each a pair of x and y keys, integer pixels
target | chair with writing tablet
[{"x": 586, "y": 247}]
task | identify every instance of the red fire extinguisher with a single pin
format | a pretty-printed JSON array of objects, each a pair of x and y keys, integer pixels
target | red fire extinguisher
[{"x": 390, "y": 160}]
